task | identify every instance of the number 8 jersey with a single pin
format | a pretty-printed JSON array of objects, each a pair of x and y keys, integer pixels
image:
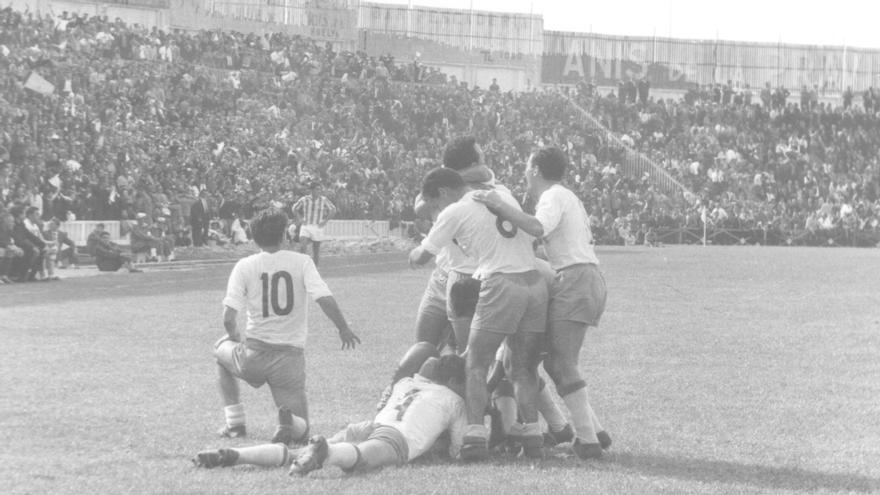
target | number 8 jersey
[{"x": 272, "y": 287}]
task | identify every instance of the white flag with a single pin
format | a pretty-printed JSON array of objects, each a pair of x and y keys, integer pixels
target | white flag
[{"x": 35, "y": 82}]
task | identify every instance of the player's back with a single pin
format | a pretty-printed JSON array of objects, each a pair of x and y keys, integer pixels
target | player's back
[
  {"x": 421, "y": 410},
  {"x": 275, "y": 288},
  {"x": 497, "y": 245},
  {"x": 570, "y": 242}
]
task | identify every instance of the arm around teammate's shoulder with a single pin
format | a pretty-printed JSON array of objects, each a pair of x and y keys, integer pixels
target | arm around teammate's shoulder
[
  {"x": 330, "y": 308},
  {"x": 512, "y": 214}
]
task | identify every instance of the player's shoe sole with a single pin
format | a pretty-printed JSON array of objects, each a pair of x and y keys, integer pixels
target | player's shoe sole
[
  {"x": 232, "y": 431},
  {"x": 586, "y": 450},
  {"x": 210, "y": 459},
  {"x": 604, "y": 439},
  {"x": 311, "y": 457},
  {"x": 474, "y": 449}
]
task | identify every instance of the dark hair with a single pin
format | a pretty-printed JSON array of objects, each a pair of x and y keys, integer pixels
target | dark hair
[
  {"x": 461, "y": 153},
  {"x": 551, "y": 162},
  {"x": 450, "y": 368},
  {"x": 440, "y": 177},
  {"x": 30, "y": 210},
  {"x": 268, "y": 227}
]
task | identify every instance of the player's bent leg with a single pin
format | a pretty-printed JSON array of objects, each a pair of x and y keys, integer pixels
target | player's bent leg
[
  {"x": 566, "y": 339},
  {"x": 525, "y": 349},
  {"x": 227, "y": 367},
  {"x": 287, "y": 383},
  {"x": 431, "y": 325},
  {"x": 481, "y": 353}
]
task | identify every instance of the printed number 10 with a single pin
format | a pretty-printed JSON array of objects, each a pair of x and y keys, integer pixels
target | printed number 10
[{"x": 270, "y": 293}]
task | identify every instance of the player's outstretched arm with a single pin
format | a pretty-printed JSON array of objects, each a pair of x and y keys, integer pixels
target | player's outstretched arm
[
  {"x": 330, "y": 308},
  {"x": 510, "y": 213}
]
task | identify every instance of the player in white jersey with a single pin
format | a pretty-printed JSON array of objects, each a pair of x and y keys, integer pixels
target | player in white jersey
[
  {"x": 512, "y": 301},
  {"x": 420, "y": 410},
  {"x": 272, "y": 287},
  {"x": 311, "y": 213},
  {"x": 577, "y": 296}
]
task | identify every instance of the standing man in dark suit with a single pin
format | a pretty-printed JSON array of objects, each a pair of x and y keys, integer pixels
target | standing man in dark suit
[{"x": 200, "y": 219}]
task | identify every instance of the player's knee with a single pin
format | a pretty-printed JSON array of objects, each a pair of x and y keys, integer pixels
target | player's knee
[{"x": 570, "y": 388}]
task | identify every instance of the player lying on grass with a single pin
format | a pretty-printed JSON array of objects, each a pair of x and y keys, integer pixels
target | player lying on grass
[
  {"x": 273, "y": 287},
  {"x": 420, "y": 410}
]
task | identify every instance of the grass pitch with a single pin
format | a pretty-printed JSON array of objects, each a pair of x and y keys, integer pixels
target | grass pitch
[{"x": 716, "y": 370}]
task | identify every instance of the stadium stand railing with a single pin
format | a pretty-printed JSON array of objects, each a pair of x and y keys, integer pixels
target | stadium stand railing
[{"x": 636, "y": 164}]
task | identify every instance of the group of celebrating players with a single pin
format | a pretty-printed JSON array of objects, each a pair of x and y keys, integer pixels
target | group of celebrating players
[{"x": 492, "y": 312}]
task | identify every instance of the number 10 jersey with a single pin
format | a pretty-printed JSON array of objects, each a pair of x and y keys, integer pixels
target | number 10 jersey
[{"x": 272, "y": 287}]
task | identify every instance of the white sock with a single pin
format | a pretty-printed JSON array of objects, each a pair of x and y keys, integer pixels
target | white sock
[
  {"x": 550, "y": 410},
  {"x": 342, "y": 455},
  {"x": 579, "y": 406},
  {"x": 478, "y": 431},
  {"x": 234, "y": 415},
  {"x": 507, "y": 407},
  {"x": 595, "y": 419},
  {"x": 270, "y": 455}
]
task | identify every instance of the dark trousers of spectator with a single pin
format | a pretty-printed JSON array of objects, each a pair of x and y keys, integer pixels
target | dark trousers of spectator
[
  {"x": 66, "y": 256},
  {"x": 5, "y": 265},
  {"x": 27, "y": 266},
  {"x": 199, "y": 234}
]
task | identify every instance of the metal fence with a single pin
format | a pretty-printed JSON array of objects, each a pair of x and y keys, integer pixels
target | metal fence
[{"x": 635, "y": 163}]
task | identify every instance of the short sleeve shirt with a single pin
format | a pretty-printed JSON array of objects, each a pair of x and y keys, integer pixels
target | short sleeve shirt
[{"x": 273, "y": 288}]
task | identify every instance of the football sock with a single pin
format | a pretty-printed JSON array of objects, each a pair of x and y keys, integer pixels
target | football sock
[
  {"x": 343, "y": 455},
  {"x": 477, "y": 431},
  {"x": 595, "y": 419},
  {"x": 506, "y": 405},
  {"x": 270, "y": 455},
  {"x": 551, "y": 412},
  {"x": 234, "y": 415},
  {"x": 579, "y": 406}
]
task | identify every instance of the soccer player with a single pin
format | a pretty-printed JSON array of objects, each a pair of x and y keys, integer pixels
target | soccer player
[
  {"x": 577, "y": 297},
  {"x": 271, "y": 286},
  {"x": 421, "y": 409},
  {"x": 313, "y": 212},
  {"x": 512, "y": 302}
]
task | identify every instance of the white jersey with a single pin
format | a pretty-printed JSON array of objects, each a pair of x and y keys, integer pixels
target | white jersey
[
  {"x": 567, "y": 236},
  {"x": 459, "y": 261},
  {"x": 272, "y": 287},
  {"x": 497, "y": 246},
  {"x": 421, "y": 411}
]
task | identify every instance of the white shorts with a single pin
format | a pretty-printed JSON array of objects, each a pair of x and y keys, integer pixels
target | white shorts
[{"x": 312, "y": 232}]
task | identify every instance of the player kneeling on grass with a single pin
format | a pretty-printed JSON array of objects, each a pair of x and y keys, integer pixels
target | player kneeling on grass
[
  {"x": 420, "y": 410},
  {"x": 272, "y": 286}
]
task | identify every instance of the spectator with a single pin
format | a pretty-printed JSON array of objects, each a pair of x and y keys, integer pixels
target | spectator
[
  {"x": 144, "y": 246},
  {"x": 26, "y": 267},
  {"x": 109, "y": 256},
  {"x": 200, "y": 219},
  {"x": 8, "y": 250},
  {"x": 66, "y": 254}
]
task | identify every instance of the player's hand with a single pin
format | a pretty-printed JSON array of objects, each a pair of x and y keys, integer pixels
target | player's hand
[
  {"x": 489, "y": 198},
  {"x": 349, "y": 339}
]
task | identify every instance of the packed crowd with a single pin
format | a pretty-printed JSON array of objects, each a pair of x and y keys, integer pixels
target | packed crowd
[{"x": 141, "y": 122}]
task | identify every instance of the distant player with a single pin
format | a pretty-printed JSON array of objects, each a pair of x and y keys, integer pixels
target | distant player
[
  {"x": 312, "y": 213},
  {"x": 512, "y": 302},
  {"x": 577, "y": 297},
  {"x": 421, "y": 409},
  {"x": 272, "y": 287}
]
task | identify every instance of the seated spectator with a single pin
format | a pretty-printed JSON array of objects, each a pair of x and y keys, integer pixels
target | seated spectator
[
  {"x": 66, "y": 255},
  {"x": 162, "y": 231},
  {"x": 94, "y": 238},
  {"x": 109, "y": 256},
  {"x": 144, "y": 246},
  {"x": 26, "y": 268},
  {"x": 8, "y": 250},
  {"x": 239, "y": 231}
]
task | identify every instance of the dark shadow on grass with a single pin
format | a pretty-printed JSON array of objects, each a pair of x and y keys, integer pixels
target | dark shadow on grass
[{"x": 780, "y": 478}]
